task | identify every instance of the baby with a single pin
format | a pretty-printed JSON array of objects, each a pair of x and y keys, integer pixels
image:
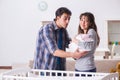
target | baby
[{"x": 82, "y": 42}]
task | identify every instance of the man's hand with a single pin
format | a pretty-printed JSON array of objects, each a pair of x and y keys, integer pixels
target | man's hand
[
  {"x": 75, "y": 40},
  {"x": 78, "y": 54}
]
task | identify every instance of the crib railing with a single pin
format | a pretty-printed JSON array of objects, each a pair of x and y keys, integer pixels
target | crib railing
[{"x": 36, "y": 74}]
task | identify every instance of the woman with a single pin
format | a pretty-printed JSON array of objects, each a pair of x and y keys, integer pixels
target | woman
[{"x": 87, "y": 27}]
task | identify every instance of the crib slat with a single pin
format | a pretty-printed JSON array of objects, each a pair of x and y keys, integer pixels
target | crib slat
[{"x": 36, "y": 74}]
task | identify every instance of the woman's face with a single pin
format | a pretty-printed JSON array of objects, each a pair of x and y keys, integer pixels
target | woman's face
[{"x": 84, "y": 22}]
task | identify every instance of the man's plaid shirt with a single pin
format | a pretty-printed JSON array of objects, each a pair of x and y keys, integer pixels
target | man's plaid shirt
[{"x": 47, "y": 44}]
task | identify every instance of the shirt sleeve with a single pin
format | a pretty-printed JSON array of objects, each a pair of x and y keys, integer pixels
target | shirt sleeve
[
  {"x": 49, "y": 37},
  {"x": 91, "y": 33}
]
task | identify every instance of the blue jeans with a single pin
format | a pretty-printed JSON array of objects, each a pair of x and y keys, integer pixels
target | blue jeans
[
  {"x": 83, "y": 75},
  {"x": 92, "y": 70}
]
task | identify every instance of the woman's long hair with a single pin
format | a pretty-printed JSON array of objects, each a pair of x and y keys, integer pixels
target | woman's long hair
[{"x": 92, "y": 25}]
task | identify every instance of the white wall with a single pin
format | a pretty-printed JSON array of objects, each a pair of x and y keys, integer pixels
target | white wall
[{"x": 20, "y": 21}]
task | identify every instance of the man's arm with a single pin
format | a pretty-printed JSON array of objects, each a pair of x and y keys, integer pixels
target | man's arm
[{"x": 77, "y": 54}]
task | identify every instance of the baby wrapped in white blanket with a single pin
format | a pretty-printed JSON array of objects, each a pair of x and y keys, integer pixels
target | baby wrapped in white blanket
[{"x": 82, "y": 42}]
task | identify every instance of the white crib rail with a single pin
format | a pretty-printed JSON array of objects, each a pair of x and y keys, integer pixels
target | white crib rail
[
  {"x": 112, "y": 76},
  {"x": 35, "y": 74},
  {"x": 15, "y": 74}
]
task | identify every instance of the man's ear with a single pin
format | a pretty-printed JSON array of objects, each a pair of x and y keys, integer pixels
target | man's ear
[{"x": 58, "y": 17}]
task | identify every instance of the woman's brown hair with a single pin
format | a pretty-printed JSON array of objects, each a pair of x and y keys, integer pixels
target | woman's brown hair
[{"x": 92, "y": 25}]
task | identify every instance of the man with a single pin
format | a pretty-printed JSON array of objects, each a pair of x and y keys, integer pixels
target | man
[{"x": 52, "y": 41}]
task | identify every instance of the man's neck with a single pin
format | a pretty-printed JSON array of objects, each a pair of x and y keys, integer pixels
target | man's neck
[{"x": 58, "y": 25}]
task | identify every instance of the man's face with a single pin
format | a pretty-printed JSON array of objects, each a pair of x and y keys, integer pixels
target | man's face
[{"x": 63, "y": 20}]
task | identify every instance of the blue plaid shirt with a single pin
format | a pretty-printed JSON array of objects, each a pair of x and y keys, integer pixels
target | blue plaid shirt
[{"x": 47, "y": 44}]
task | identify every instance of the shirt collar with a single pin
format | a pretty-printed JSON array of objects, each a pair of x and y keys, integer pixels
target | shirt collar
[{"x": 55, "y": 26}]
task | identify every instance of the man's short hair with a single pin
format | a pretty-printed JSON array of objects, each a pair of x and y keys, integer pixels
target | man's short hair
[{"x": 62, "y": 10}]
